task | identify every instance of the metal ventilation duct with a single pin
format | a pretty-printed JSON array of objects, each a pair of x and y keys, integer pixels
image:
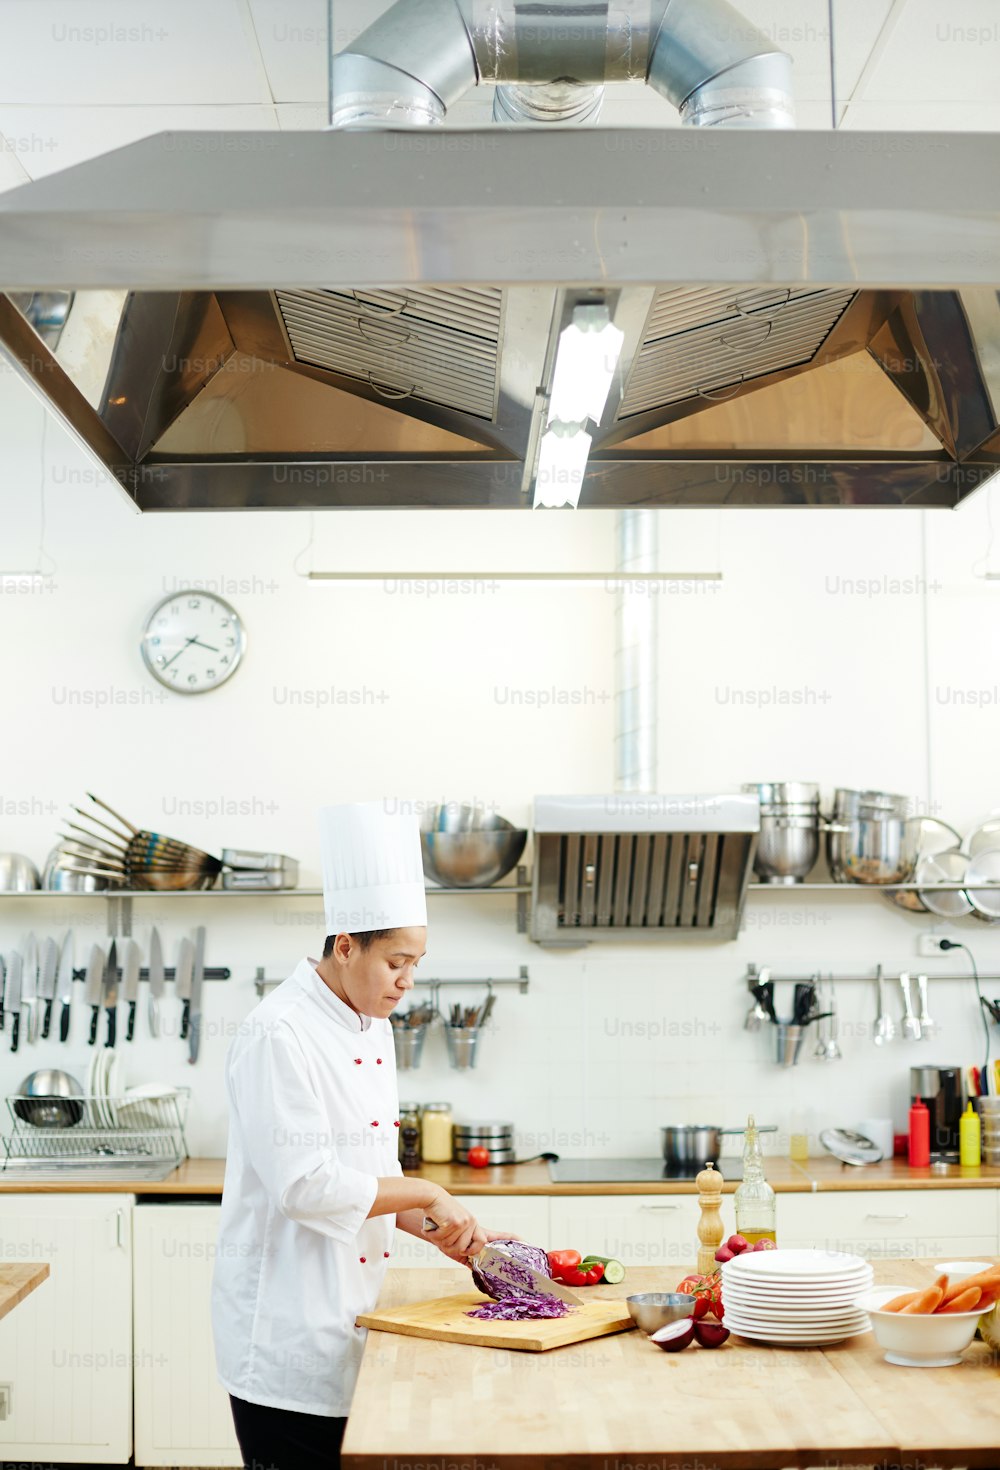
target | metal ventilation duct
[{"x": 415, "y": 61}]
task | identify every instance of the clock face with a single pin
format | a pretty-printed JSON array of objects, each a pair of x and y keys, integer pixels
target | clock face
[{"x": 193, "y": 642}]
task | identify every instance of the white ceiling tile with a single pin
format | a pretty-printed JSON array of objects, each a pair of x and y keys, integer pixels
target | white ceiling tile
[
  {"x": 126, "y": 52},
  {"x": 917, "y": 116},
  {"x": 940, "y": 53},
  {"x": 292, "y": 36},
  {"x": 857, "y": 25},
  {"x": 62, "y": 136}
]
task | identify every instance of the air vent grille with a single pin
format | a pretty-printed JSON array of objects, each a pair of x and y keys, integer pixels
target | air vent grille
[
  {"x": 441, "y": 346},
  {"x": 697, "y": 343}
]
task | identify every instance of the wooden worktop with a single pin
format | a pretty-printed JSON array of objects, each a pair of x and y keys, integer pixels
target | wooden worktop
[
  {"x": 621, "y": 1401},
  {"x": 17, "y": 1282},
  {"x": 204, "y": 1177}
]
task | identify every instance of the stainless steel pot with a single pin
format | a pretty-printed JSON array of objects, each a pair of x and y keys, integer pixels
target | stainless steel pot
[
  {"x": 872, "y": 850},
  {"x": 877, "y": 805},
  {"x": 774, "y": 794},
  {"x": 693, "y": 1145}
]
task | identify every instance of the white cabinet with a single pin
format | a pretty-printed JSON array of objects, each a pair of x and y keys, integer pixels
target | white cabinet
[
  {"x": 637, "y": 1229},
  {"x": 182, "y": 1414},
  {"x": 522, "y": 1214},
  {"x": 66, "y": 1350},
  {"x": 943, "y": 1224}
]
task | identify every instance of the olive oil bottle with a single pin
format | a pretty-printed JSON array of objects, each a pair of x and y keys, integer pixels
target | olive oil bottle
[{"x": 754, "y": 1198}]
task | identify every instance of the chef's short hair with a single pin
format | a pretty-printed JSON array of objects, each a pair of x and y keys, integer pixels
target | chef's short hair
[{"x": 366, "y": 939}]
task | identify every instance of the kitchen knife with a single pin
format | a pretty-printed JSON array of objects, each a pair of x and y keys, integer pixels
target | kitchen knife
[
  {"x": 198, "y": 974},
  {"x": 14, "y": 996},
  {"x": 47, "y": 982},
  {"x": 155, "y": 981},
  {"x": 92, "y": 993},
  {"x": 497, "y": 1262},
  {"x": 64, "y": 985},
  {"x": 182, "y": 979},
  {"x": 130, "y": 969},
  {"x": 29, "y": 988},
  {"x": 110, "y": 988}
]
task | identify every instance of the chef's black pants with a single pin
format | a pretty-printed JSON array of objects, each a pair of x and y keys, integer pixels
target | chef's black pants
[{"x": 283, "y": 1439}]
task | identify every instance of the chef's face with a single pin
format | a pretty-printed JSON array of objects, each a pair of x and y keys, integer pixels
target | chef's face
[{"x": 374, "y": 980}]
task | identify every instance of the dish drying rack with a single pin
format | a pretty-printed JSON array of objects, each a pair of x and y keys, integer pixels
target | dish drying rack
[{"x": 137, "y": 1138}]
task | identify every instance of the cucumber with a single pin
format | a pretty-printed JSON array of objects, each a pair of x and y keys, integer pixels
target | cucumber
[{"x": 614, "y": 1271}]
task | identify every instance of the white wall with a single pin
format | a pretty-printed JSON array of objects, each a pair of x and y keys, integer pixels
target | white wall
[{"x": 612, "y": 1041}]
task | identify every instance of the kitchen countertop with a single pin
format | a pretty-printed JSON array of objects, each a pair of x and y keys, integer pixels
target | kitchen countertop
[
  {"x": 620, "y": 1401},
  {"x": 17, "y": 1282},
  {"x": 204, "y": 1177}
]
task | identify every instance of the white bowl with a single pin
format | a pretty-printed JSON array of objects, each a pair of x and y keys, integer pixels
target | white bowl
[
  {"x": 958, "y": 1270},
  {"x": 918, "y": 1341}
]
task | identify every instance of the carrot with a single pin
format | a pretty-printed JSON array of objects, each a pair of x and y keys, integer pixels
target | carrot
[
  {"x": 966, "y": 1301},
  {"x": 988, "y": 1297},
  {"x": 988, "y": 1279},
  {"x": 899, "y": 1302},
  {"x": 926, "y": 1301}
]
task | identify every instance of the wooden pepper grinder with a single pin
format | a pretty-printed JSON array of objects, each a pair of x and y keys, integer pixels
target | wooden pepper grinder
[{"x": 710, "y": 1227}]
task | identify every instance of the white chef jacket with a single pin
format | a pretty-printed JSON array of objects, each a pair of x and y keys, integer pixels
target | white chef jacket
[{"x": 314, "y": 1120}]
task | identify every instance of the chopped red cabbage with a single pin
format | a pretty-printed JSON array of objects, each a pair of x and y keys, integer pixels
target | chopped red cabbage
[
  {"x": 520, "y": 1308},
  {"x": 520, "y": 1302}
]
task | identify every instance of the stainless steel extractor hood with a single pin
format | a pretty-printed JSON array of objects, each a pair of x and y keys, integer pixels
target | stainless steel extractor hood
[
  {"x": 634, "y": 865},
  {"x": 364, "y": 319}
]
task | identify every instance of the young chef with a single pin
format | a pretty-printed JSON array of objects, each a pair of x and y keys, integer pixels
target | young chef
[{"x": 313, "y": 1188}]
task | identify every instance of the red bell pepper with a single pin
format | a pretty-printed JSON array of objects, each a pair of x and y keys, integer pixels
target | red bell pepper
[
  {"x": 560, "y": 1261},
  {"x": 583, "y": 1275}
]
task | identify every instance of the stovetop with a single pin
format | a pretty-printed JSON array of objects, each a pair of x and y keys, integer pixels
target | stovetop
[{"x": 632, "y": 1171}]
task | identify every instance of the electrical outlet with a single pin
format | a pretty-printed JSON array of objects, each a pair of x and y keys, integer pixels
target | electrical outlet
[
  {"x": 6, "y": 1395},
  {"x": 930, "y": 944}
]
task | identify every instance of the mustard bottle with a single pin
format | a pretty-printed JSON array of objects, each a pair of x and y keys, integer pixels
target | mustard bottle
[{"x": 968, "y": 1139}]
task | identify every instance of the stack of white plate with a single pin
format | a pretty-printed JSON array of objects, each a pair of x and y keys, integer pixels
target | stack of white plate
[{"x": 795, "y": 1298}]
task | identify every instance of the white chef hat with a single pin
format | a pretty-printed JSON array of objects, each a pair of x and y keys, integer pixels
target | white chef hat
[{"x": 373, "y": 873}]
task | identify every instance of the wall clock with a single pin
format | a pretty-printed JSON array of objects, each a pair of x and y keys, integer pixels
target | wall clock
[{"x": 193, "y": 641}]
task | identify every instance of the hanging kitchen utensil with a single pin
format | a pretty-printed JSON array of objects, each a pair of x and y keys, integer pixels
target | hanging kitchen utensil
[
  {"x": 928, "y": 1028},
  {"x": 3, "y": 988},
  {"x": 29, "y": 989},
  {"x": 197, "y": 977},
  {"x": 911, "y": 1026},
  {"x": 885, "y": 1027},
  {"x": 833, "y": 1052},
  {"x": 64, "y": 985},
  {"x": 13, "y": 996},
  {"x": 92, "y": 990},
  {"x": 156, "y": 981},
  {"x": 47, "y": 983},
  {"x": 182, "y": 983},
  {"x": 110, "y": 993},
  {"x": 130, "y": 973}
]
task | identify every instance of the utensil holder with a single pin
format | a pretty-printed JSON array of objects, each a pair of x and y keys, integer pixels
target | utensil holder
[
  {"x": 408, "y": 1042},
  {"x": 788, "y": 1043},
  {"x": 462, "y": 1043}
]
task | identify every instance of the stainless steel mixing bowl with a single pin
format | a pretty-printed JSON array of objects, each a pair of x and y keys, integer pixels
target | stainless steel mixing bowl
[{"x": 460, "y": 855}]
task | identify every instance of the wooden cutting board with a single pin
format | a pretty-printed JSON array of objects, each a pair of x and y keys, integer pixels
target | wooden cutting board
[{"x": 445, "y": 1318}]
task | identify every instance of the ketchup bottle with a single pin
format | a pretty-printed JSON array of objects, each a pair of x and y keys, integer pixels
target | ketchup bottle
[{"x": 920, "y": 1135}]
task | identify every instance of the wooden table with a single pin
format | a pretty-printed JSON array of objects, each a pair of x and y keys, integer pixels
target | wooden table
[
  {"x": 619, "y": 1403},
  {"x": 17, "y": 1282}
]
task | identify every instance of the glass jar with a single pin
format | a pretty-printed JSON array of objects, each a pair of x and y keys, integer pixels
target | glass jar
[
  {"x": 409, "y": 1135},
  {"x": 435, "y": 1133}
]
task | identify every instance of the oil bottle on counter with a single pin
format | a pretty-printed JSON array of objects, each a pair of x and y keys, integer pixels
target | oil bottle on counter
[{"x": 754, "y": 1199}]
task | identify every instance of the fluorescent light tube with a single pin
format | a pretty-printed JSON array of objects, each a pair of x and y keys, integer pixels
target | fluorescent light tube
[
  {"x": 562, "y": 464},
  {"x": 586, "y": 363}
]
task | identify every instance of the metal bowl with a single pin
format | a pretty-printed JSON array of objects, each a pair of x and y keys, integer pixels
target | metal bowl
[
  {"x": 18, "y": 873},
  {"x": 48, "y": 1099},
  {"x": 787, "y": 848},
  {"x": 785, "y": 794},
  {"x": 474, "y": 857},
  {"x": 848, "y": 804},
  {"x": 651, "y": 1310}
]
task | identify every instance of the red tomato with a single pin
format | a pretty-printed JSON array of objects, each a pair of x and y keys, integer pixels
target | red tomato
[
  {"x": 707, "y": 1292},
  {"x": 479, "y": 1157}
]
